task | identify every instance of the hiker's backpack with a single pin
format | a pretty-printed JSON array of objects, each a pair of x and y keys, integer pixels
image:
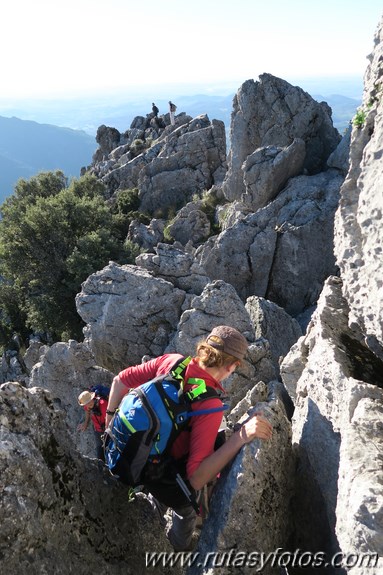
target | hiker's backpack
[
  {"x": 100, "y": 391},
  {"x": 149, "y": 419}
]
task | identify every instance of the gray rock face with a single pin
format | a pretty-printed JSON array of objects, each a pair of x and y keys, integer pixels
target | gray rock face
[
  {"x": 193, "y": 159},
  {"x": 12, "y": 367},
  {"x": 338, "y": 411},
  {"x": 147, "y": 237},
  {"x": 334, "y": 372},
  {"x": 359, "y": 233},
  {"x": 323, "y": 494},
  {"x": 172, "y": 164},
  {"x": 60, "y": 513},
  {"x": 71, "y": 507},
  {"x": 283, "y": 252},
  {"x": 219, "y": 304},
  {"x": 340, "y": 157},
  {"x": 270, "y": 322},
  {"x": 266, "y": 171},
  {"x": 271, "y": 112},
  {"x": 176, "y": 265},
  {"x": 116, "y": 303},
  {"x": 250, "y": 511},
  {"x": 108, "y": 139},
  {"x": 191, "y": 224},
  {"x": 66, "y": 369}
]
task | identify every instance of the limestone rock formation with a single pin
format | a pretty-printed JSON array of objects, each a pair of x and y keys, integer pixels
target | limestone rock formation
[
  {"x": 338, "y": 393},
  {"x": 317, "y": 485},
  {"x": 147, "y": 237},
  {"x": 71, "y": 497},
  {"x": 108, "y": 140},
  {"x": 334, "y": 372},
  {"x": 191, "y": 224},
  {"x": 267, "y": 170},
  {"x": 272, "y": 112},
  {"x": 173, "y": 263},
  {"x": 60, "y": 512},
  {"x": 250, "y": 511},
  {"x": 12, "y": 369},
  {"x": 170, "y": 166},
  {"x": 67, "y": 369},
  {"x": 359, "y": 233},
  {"x": 283, "y": 252},
  {"x": 116, "y": 303},
  {"x": 273, "y": 324},
  {"x": 219, "y": 304},
  {"x": 192, "y": 159},
  {"x": 340, "y": 156}
]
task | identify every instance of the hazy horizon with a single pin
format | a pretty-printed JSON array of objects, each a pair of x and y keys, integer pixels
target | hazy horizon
[{"x": 88, "y": 112}]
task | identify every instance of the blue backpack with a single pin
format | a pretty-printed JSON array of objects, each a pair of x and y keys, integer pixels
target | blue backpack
[
  {"x": 149, "y": 419},
  {"x": 100, "y": 391}
]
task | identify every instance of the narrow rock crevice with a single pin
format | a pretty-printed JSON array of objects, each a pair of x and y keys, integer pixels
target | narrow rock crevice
[{"x": 362, "y": 363}]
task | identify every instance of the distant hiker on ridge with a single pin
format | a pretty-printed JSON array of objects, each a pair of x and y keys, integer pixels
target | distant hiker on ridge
[
  {"x": 172, "y": 109},
  {"x": 155, "y": 110}
]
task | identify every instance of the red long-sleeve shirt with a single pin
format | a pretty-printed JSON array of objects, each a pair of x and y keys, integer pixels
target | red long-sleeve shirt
[
  {"x": 98, "y": 419},
  {"x": 199, "y": 442}
]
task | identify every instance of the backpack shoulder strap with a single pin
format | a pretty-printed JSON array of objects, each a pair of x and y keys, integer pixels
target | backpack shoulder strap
[
  {"x": 179, "y": 368},
  {"x": 200, "y": 391}
]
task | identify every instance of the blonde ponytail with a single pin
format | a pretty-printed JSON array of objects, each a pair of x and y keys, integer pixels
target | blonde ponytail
[{"x": 212, "y": 357}]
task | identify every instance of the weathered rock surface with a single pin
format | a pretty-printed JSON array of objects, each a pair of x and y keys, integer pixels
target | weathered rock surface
[
  {"x": 66, "y": 369},
  {"x": 283, "y": 252},
  {"x": 129, "y": 313},
  {"x": 219, "y": 304},
  {"x": 71, "y": 498},
  {"x": 335, "y": 372},
  {"x": 191, "y": 224},
  {"x": 337, "y": 423},
  {"x": 193, "y": 159},
  {"x": 250, "y": 506},
  {"x": 272, "y": 323},
  {"x": 272, "y": 112},
  {"x": 172, "y": 165},
  {"x": 325, "y": 494},
  {"x": 359, "y": 232},
  {"x": 340, "y": 157},
  {"x": 176, "y": 265},
  {"x": 147, "y": 237},
  {"x": 108, "y": 140},
  {"x": 267, "y": 170},
  {"x": 60, "y": 512},
  {"x": 12, "y": 367}
]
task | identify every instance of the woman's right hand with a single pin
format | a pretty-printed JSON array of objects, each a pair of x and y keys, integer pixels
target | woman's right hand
[{"x": 256, "y": 427}]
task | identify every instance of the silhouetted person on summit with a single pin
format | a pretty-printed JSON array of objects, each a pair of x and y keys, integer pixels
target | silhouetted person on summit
[
  {"x": 172, "y": 110},
  {"x": 155, "y": 110}
]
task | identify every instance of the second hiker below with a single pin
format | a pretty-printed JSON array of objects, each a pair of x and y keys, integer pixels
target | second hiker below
[
  {"x": 194, "y": 451},
  {"x": 94, "y": 405}
]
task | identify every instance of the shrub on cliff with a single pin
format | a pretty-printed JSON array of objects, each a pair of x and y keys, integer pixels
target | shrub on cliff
[{"x": 52, "y": 237}]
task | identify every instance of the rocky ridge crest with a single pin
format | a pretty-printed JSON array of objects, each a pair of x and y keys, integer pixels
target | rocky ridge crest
[{"x": 272, "y": 260}]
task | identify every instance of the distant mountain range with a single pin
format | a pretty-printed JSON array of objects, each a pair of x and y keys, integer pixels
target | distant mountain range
[{"x": 28, "y": 147}]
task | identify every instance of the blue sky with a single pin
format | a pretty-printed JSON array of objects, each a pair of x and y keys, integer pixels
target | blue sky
[{"x": 82, "y": 47}]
